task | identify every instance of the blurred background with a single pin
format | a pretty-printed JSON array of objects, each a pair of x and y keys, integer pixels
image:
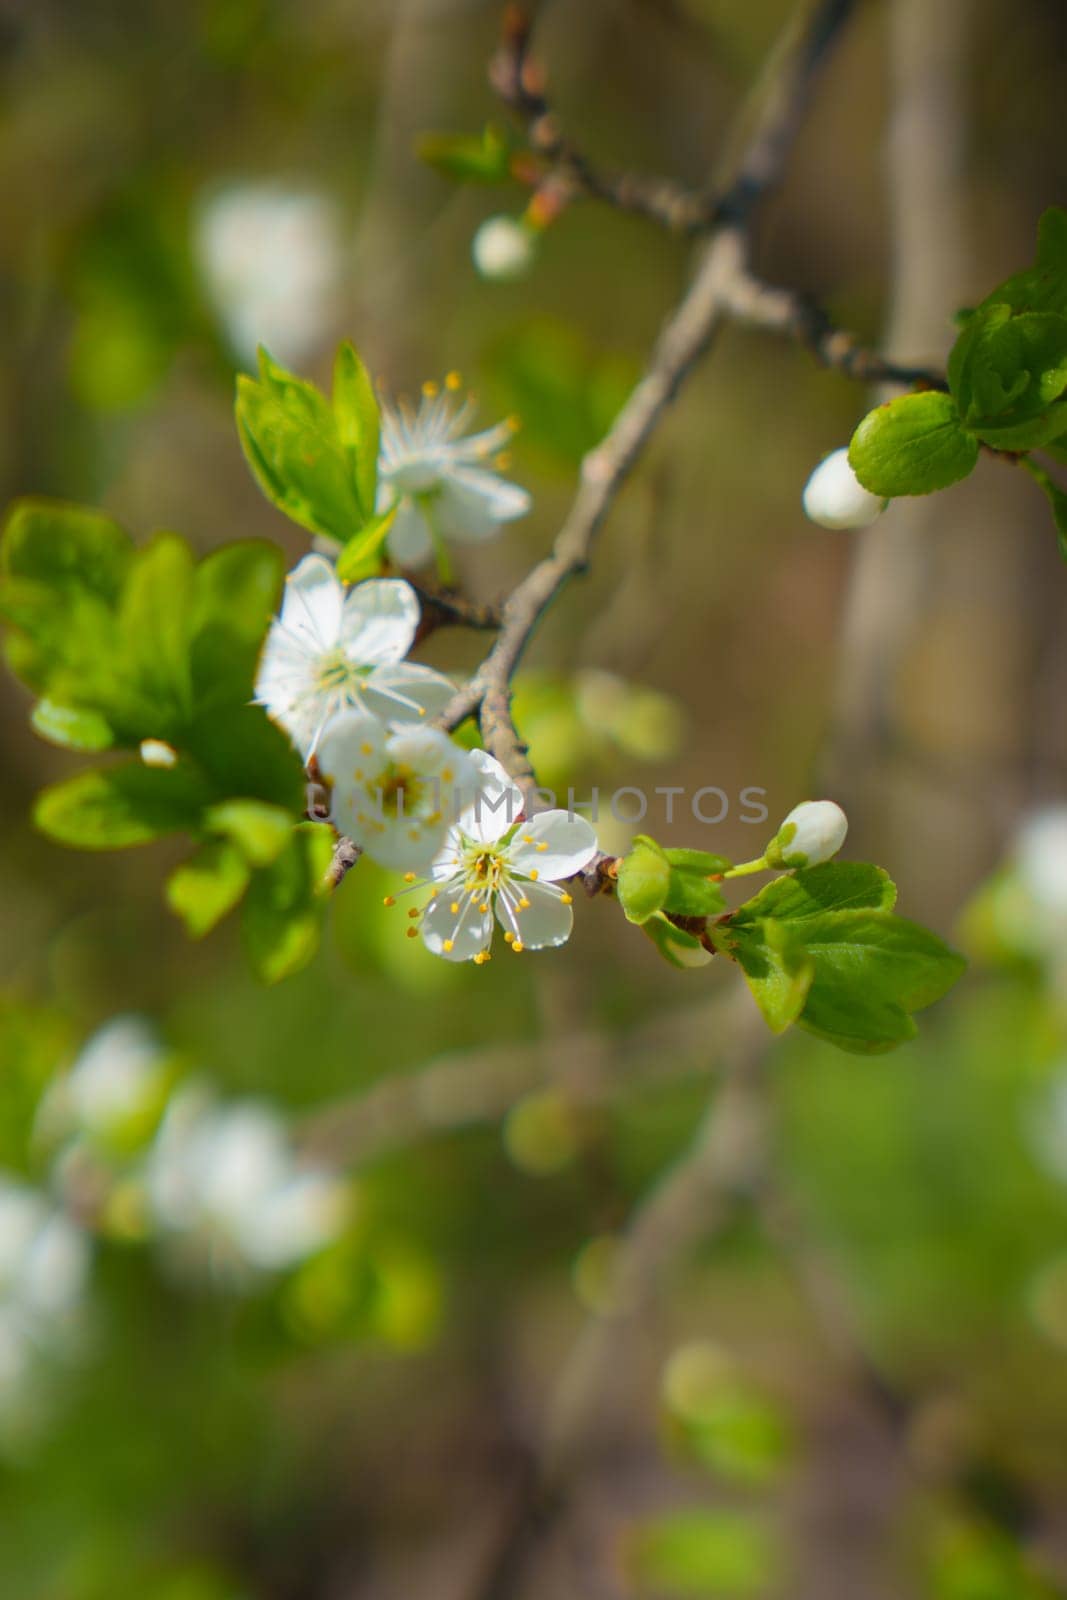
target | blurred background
[{"x": 325, "y": 1292}]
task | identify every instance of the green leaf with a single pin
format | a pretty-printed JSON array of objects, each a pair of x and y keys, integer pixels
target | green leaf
[
  {"x": 1006, "y": 372},
  {"x": 203, "y": 889},
  {"x": 702, "y": 1554},
  {"x": 245, "y": 754},
  {"x": 74, "y": 727},
  {"x": 355, "y": 407},
  {"x": 1057, "y": 499},
  {"x": 283, "y": 907},
  {"x": 676, "y": 945},
  {"x": 913, "y": 445},
  {"x": 260, "y": 831},
  {"x": 153, "y": 623},
  {"x": 644, "y": 880},
  {"x": 235, "y": 593},
  {"x": 690, "y": 893},
  {"x": 115, "y": 807},
  {"x": 871, "y": 969},
  {"x": 776, "y": 968},
  {"x": 293, "y": 444},
  {"x": 469, "y": 158},
  {"x": 362, "y": 555},
  {"x": 1042, "y": 287},
  {"x": 832, "y": 886},
  {"x": 65, "y": 546}
]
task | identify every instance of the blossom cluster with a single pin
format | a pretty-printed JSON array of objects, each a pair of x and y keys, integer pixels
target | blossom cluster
[
  {"x": 335, "y": 675},
  {"x": 130, "y": 1149}
]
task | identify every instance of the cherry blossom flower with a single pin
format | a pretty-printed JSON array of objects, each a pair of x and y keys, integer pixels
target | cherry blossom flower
[
  {"x": 493, "y": 860},
  {"x": 394, "y": 793},
  {"x": 441, "y": 482},
  {"x": 504, "y": 248},
  {"x": 333, "y": 649},
  {"x": 224, "y": 1183}
]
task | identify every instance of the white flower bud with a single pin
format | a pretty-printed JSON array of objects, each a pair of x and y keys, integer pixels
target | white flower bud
[
  {"x": 812, "y": 832},
  {"x": 835, "y": 498},
  {"x": 503, "y": 248},
  {"x": 157, "y": 753}
]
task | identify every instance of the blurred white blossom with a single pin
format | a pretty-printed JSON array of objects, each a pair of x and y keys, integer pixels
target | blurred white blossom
[
  {"x": 119, "y": 1076},
  {"x": 44, "y": 1269},
  {"x": 226, "y": 1181},
  {"x": 272, "y": 260},
  {"x": 503, "y": 248}
]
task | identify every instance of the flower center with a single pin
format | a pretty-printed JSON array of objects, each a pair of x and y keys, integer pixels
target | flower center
[
  {"x": 484, "y": 867},
  {"x": 337, "y": 672}
]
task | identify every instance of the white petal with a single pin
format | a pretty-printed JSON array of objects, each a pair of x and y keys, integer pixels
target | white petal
[
  {"x": 410, "y": 543},
  {"x": 468, "y": 930},
  {"x": 379, "y": 621},
  {"x": 311, "y": 608},
  {"x": 432, "y": 754},
  {"x": 396, "y": 693},
  {"x": 406, "y": 844},
  {"x": 546, "y": 920},
  {"x": 496, "y": 803},
  {"x": 351, "y": 751},
  {"x": 473, "y": 504},
  {"x": 553, "y": 844}
]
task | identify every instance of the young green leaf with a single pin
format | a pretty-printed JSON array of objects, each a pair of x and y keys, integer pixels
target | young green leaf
[
  {"x": 775, "y": 965},
  {"x": 260, "y": 831},
  {"x": 153, "y": 679},
  {"x": 115, "y": 807},
  {"x": 690, "y": 891},
  {"x": 203, "y": 889},
  {"x": 64, "y": 547},
  {"x": 283, "y": 906},
  {"x": 469, "y": 158},
  {"x": 872, "y": 969},
  {"x": 1057, "y": 499},
  {"x": 1007, "y": 373},
  {"x": 292, "y": 441},
  {"x": 833, "y": 886},
  {"x": 355, "y": 407},
  {"x": 676, "y": 945},
  {"x": 74, "y": 727},
  {"x": 235, "y": 592},
  {"x": 913, "y": 445},
  {"x": 362, "y": 555},
  {"x": 644, "y": 880}
]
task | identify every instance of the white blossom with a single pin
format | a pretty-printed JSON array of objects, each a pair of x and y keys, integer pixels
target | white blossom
[
  {"x": 44, "y": 1270},
  {"x": 332, "y": 650},
  {"x": 495, "y": 861},
  {"x": 224, "y": 1180},
  {"x": 835, "y": 498},
  {"x": 441, "y": 482},
  {"x": 119, "y": 1075},
  {"x": 1041, "y": 859},
  {"x": 503, "y": 248},
  {"x": 272, "y": 262},
  {"x": 394, "y": 793},
  {"x": 812, "y": 832}
]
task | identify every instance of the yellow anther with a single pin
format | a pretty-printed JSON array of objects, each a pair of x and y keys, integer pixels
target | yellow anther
[
  {"x": 430, "y": 388},
  {"x": 409, "y": 877},
  {"x": 534, "y": 874},
  {"x": 413, "y": 833},
  {"x": 524, "y": 904},
  {"x": 502, "y": 460},
  {"x": 422, "y": 711},
  {"x": 527, "y": 838},
  {"x": 448, "y": 945},
  {"x": 367, "y": 749},
  {"x": 514, "y": 423},
  {"x": 483, "y": 909},
  {"x": 453, "y": 381},
  {"x": 390, "y": 900},
  {"x": 414, "y": 911},
  {"x": 412, "y": 933},
  {"x": 542, "y": 846},
  {"x": 447, "y": 774},
  {"x": 568, "y": 899},
  {"x": 454, "y": 907},
  {"x": 517, "y": 946},
  {"x": 508, "y": 938}
]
